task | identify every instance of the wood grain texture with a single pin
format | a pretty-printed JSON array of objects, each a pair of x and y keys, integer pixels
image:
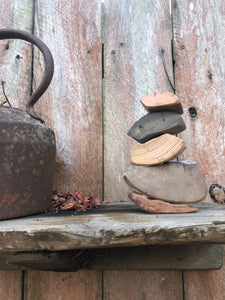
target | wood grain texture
[
  {"x": 146, "y": 285},
  {"x": 199, "y": 46},
  {"x": 82, "y": 285},
  {"x": 72, "y": 105},
  {"x": 15, "y": 70},
  {"x": 157, "y": 151},
  {"x": 175, "y": 257},
  {"x": 119, "y": 228},
  {"x": 133, "y": 69},
  {"x": 10, "y": 285},
  {"x": 207, "y": 285},
  {"x": 16, "y": 55},
  {"x": 158, "y": 206}
]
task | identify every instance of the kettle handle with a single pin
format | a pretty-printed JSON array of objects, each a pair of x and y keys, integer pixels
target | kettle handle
[{"x": 49, "y": 64}]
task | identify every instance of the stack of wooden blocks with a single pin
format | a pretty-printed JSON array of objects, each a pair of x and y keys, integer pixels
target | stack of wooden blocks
[{"x": 161, "y": 184}]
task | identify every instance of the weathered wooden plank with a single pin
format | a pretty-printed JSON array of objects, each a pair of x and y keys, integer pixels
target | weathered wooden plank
[
  {"x": 73, "y": 104},
  {"x": 10, "y": 285},
  {"x": 204, "y": 285},
  {"x": 16, "y": 55},
  {"x": 16, "y": 71},
  {"x": 72, "y": 107},
  {"x": 132, "y": 69},
  {"x": 82, "y": 285},
  {"x": 159, "y": 257},
  {"x": 199, "y": 46},
  {"x": 116, "y": 229},
  {"x": 157, "y": 285},
  {"x": 176, "y": 257}
]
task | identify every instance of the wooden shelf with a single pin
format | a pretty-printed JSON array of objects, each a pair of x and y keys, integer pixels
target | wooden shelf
[
  {"x": 114, "y": 225},
  {"x": 29, "y": 242}
]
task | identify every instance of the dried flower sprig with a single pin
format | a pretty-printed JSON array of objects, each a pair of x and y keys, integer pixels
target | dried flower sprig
[{"x": 77, "y": 202}]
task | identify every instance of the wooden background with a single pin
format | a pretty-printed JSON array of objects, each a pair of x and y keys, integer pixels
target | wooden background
[{"x": 91, "y": 116}]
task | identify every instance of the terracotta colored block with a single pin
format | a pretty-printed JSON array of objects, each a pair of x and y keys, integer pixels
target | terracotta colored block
[
  {"x": 162, "y": 101},
  {"x": 157, "y": 151},
  {"x": 156, "y": 123},
  {"x": 175, "y": 182},
  {"x": 159, "y": 206}
]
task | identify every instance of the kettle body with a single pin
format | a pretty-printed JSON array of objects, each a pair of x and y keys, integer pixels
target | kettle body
[{"x": 27, "y": 148}]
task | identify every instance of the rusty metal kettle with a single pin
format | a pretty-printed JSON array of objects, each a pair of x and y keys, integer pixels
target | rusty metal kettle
[{"x": 27, "y": 148}]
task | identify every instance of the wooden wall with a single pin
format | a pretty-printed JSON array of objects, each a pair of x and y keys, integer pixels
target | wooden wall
[{"x": 92, "y": 145}]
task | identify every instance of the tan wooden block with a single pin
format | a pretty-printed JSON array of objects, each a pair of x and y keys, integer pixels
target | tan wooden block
[
  {"x": 157, "y": 151},
  {"x": 159, "y": 206},
  {"x": 162, "y": 101}
]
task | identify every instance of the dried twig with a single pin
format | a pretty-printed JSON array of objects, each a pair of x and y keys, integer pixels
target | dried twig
[
  {"x": 162, "y": 53},
  {"x": 3, "y": 89}
]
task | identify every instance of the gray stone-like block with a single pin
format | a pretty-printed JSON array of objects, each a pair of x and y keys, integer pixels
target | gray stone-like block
[{"x": 175, "y": 182}]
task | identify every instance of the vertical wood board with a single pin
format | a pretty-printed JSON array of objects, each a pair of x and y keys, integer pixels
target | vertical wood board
[
  {"x": 146, "y": 285},
  {"x": 82, "y": 285},
  {"x": 15, "y": 70},
  {"x": 72, "y": 106},
  {"x": 199, "y": 44},
  {"x": 16, "y": 55},
  {"x": 11, "y": 285},
  {"x": 207, "y": 285},
  {"x": 132, "y": 69}
]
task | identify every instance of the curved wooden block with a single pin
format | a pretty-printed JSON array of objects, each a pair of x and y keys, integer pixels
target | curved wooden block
[
  {"x": 159, "y": 206},
  {"x": 157, "y": 151},
  {"x": 175, "y": 182},
  {"x": 156, "y": 123},
  {"x": 162, "y": 101}
]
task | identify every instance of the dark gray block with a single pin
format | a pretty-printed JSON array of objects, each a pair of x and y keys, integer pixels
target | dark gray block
[{"x": 156, "y": 123}]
